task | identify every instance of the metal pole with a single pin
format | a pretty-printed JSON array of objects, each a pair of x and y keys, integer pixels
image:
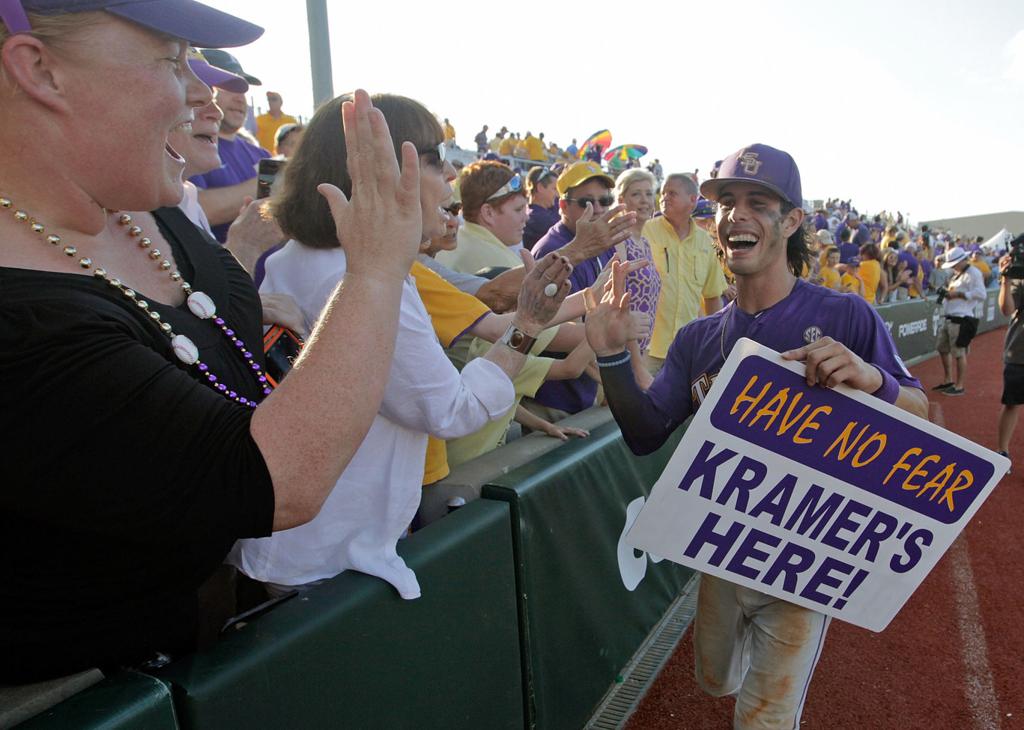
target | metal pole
[{"x": 319, "y": 51}]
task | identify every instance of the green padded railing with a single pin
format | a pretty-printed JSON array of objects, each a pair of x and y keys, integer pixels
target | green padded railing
[
  {"x": 580, "y": 622},
  {"x": 125, "y": 701},
  {"x": 352, "y": 654}
]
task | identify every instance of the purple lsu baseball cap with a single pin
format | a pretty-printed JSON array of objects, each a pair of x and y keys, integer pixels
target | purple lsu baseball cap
[
  {"x": 213, "y": 76},
  {"x": 761, "y": 165},
  {"x": 192, "y": 21}
]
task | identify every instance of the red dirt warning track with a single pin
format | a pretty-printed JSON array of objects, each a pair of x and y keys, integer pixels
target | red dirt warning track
[{"x": 954, "y": 656}]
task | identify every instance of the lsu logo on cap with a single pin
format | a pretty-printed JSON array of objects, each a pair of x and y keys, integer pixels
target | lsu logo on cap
[
  {"x": 812, "y": 333},
  {"x": 750, "y": 163}
]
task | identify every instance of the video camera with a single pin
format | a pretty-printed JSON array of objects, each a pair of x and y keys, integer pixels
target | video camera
[{"x": 1016, "y": 250}]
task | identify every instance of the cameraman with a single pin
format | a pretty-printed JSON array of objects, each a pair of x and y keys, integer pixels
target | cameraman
[
  {"x": 1011, "y": 301},
  {"x": 966, "y": 288}
]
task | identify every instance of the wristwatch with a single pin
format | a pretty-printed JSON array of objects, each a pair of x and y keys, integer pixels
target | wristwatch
[{"x": 518, "y": 340}]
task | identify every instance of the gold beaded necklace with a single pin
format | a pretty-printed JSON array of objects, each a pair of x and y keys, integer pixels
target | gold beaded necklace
[{"x": 199, "y": 303}]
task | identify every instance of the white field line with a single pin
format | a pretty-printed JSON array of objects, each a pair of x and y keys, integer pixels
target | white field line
[{"x": 981, "y": 693}]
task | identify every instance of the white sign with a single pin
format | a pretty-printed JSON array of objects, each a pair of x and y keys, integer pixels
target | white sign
[{"x": 828, "y": 498}]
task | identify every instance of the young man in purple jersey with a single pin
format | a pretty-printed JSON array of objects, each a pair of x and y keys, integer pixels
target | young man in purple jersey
[{"x": 762, "y": 649}]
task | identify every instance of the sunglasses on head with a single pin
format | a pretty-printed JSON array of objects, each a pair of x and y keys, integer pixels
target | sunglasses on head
[
  {"x": 514, "y": 185},
  {"x": 436, "y": 155},
  {"x": 606, "y": 201}
]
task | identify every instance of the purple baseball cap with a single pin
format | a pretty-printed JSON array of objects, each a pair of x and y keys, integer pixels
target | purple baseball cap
[
  {"x": 199, "y": 24},
  {"x": 761, "y": 165},
  {"x": 213, "y": 76}
]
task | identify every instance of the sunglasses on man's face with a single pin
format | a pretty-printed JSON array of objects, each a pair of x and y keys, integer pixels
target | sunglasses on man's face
[
  {"x": 454, "y": 208},
  {"x": 606, "y": 201}
]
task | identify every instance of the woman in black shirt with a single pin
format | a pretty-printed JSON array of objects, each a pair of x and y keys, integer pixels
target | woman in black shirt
[{"x": 135, "y": 454}]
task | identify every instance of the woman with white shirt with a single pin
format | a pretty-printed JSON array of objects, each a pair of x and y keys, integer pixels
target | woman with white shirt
[{"x": 377, "y": 495}]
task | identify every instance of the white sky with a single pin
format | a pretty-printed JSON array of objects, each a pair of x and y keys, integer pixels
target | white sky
[{"x": 916, "y": 106}]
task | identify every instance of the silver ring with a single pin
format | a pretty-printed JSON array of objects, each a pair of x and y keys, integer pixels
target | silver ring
[{"x": 551, "y": 289}]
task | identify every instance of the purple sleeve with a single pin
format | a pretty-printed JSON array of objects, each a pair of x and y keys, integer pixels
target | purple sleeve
[
  {"x": 199, "y": 181},
  {"x": 640, "y": 418},
  {"x": 546, "y": 245},
  {"x": 870, "y": 339}
]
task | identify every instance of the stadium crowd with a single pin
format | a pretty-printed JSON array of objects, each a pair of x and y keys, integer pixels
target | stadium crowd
[{"x": 132, "y": 321}]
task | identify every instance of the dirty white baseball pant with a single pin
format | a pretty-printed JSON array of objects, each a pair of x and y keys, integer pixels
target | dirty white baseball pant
[{"x": 760, "y": 648}]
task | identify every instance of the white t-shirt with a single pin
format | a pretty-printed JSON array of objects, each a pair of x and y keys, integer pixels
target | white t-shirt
[
  {"x": 190, "y": 207},
  {"x": 378, "y": 494}
]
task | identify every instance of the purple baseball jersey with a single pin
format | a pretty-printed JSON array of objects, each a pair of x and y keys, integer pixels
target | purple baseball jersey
[{"x": 695, "y": 356}]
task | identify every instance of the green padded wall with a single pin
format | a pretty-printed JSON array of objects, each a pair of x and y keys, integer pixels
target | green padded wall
[
  {"x": 580, "y": 622},
  {"x": 125, "y": 701},
  {"x": 352, "y": 654}
]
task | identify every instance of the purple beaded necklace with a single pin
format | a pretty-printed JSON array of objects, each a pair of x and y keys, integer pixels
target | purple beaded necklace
[{"x": 199, "y": 304}]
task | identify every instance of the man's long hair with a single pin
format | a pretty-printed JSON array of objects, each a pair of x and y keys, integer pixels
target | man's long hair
[{"x": 798, "y": 251}]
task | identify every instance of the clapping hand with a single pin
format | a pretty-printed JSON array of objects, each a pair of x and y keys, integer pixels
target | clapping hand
[
  {"x": 381, "y": 227},
  {"x": 544, "y": 288},
  {"x": 596, "y": 234},
  {"x": 609, "y": 323}
]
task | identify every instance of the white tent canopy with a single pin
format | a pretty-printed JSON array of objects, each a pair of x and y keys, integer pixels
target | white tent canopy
[{"x": 998, "y": 242}]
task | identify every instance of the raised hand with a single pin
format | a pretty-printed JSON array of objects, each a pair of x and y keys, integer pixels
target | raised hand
[
  {"x": 609, "y": 323},
  {"x": 598, "y": 287},
  {"x": 380, "y": 228},
  {"x": 640, "y": 325},
  {"x": 544, "y": 288},
  {"x": 595, "y": 235},
  {"x": 252, "y": 233}
]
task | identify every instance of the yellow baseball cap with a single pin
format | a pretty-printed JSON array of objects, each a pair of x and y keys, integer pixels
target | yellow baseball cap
[{"x": 578, "y": 173}]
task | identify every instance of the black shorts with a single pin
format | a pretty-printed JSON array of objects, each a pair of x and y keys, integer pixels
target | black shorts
[{"x": 1013, "y": 384}]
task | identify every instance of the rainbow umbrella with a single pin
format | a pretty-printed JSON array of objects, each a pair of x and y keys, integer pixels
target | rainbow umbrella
[
  {"x": 602, "y": 139},
  {"x": 626, "y": 152}
]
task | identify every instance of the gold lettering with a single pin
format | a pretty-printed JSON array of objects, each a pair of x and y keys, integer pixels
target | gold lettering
[
  {"x": 773, "y": 409},
  {"x": 964, "y": 480},
  {"x": 846, "y": 447},
  {"x": 920, "y": 471},
  {"x": 858, "y": 461},
  {"x": 810, "y": 423},
  {"x": 744, "y": 398},
  {"x": 788, "y": 421},
  {"x": 902, "y": 464}
]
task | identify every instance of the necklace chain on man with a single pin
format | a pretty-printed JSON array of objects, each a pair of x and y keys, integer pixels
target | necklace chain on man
[{"x": 199, "y": 304}]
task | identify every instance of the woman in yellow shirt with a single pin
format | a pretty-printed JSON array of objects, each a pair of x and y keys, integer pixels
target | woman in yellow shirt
[{"x": 870, "y": 270}]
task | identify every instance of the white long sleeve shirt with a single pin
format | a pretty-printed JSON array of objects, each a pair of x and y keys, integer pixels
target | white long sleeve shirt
[
  {"x": 971, "y": 284},
  {"x": 378, "y": 494}
]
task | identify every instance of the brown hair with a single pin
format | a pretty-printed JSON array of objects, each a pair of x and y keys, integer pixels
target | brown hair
[
  {"x": 480, "y": 180},
  {"x": 300, "y": 210}
]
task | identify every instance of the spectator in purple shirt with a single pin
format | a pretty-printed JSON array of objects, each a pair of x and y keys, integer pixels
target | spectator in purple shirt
[
  {"x": 543, "y": 194},
  {"x": 908, "y": 255},
  {"x": 586, "y": 198},
  {"x": 820, "y": 221},
  {"x": 839, "y": 338},
  {"x": 223, "y": 191},
  {"x": 847, "y": 249},
  {"x": 861, "y": 234}
]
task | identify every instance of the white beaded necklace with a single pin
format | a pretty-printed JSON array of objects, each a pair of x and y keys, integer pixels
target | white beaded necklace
[{"x": 199, "y": 304}]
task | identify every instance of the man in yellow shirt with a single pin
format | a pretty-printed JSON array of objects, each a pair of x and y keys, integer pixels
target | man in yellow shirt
[
  {"x": 685, "y": 258},
  {"x": 449, "y": 133},
  {"x": 268, "y": 124},
  {"x": 534, "y": 147}
]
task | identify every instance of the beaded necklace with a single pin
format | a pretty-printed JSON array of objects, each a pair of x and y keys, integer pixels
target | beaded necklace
[{"x": 199, "y": 304}]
